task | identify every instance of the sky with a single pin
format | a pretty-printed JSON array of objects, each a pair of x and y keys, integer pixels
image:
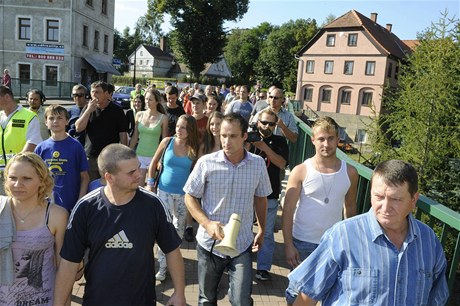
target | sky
[{"x": 408, "y": 17}]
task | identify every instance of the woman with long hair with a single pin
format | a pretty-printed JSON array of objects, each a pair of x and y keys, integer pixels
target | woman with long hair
[
  {"x": 180, "y": 154},
  {"x": 138, "y": 106},
  {"x": 150, "y": 126},
  {"x": 211, "y": 142},
  {"x": 37, "y": 227}
]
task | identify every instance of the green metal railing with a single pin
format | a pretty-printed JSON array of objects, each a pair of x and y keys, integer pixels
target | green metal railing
[
  {"x": 51, "y": 89},
  {"x": 442, "y": 219}
]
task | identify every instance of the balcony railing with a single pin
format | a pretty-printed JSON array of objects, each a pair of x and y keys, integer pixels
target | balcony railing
[{"x": 442, "y": 219}]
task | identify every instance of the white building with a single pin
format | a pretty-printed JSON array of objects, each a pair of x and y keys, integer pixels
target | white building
[{"x": 54, "y": 44}]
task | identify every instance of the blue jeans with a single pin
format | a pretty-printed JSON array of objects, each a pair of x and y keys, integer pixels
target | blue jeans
[
  {"x": 305, "y": 249},
  {"x": 265, "y": 254},
  {"x": 210, "y": 270}
]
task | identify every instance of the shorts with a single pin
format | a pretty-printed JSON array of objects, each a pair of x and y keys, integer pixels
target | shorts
[{"x": 145, "y": 161}]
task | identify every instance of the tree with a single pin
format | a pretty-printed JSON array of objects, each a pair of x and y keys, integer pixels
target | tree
[
  {"x": 242, "y": 50},
  {"x": 276, "y": 64},
  {"x": 198, "y": 36},
  {"x": 423, "y": 115},
  {"x": 124, "y": 45}
]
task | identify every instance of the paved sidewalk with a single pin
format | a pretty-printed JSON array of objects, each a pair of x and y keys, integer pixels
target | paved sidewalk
[{"x": 263, "y": 292}]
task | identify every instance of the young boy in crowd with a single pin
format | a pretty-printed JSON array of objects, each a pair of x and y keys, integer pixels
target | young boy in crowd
[{"x": 65, "y": 158}]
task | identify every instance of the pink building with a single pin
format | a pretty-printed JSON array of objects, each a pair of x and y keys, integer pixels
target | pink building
[{"x": 343, "y": 69}]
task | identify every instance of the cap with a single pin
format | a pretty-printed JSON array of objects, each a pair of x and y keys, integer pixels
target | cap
[{"x": 198, "y": 96}]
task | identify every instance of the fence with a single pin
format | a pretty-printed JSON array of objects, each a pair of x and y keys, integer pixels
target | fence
[{"x": 51, "y": 89}]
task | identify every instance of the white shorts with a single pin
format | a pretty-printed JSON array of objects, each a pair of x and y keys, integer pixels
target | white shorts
[{"x": 145, "y": 161}]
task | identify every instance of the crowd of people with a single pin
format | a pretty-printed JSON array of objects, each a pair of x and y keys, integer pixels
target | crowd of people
[{"x": 93, "y": 188}]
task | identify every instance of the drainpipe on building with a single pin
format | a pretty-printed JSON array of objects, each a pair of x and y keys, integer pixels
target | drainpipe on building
[{"x": 299, "y": 79}]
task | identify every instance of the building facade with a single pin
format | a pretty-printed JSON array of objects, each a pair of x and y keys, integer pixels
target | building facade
[
  {"x": 45, "y": 44},
  {"x": 344, "y": 68}
]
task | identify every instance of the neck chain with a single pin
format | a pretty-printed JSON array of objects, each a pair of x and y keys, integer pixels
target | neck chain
[
  {"x": 23, "y": 219},
  {"x": 326, "y": 193}
]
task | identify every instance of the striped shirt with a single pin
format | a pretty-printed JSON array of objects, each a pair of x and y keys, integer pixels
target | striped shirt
[
  {"x": 225, "y": 189},
  {"x": 370, "y": 270}
]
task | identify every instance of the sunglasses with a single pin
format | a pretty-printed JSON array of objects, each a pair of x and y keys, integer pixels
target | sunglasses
[
  {"x": 267, "y": 122},
  {"x": 78, "y": 95},
  {"x": 275, "y": 97}
]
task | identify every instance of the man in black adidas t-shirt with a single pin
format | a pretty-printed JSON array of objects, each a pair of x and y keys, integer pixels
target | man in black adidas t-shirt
[{"x": 119, "y": 224}]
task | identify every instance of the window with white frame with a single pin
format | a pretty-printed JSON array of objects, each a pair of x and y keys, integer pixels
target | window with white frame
[
  {"x": 345, "y": 96},
  {"x": 370, "y": 68},
  {"x": 352, "y": 40},
  {"x": 24, "y": 73},
  {"x": 366, "y": 98},
  {"x": 310, "y": 66},
  {"x": 52, "y": 30},
  {"x": 51, "y": 75},
  {"x": 328, "y": 67},
  {"x": 308, "y": 94},
  {"x": 348, "y": 67},
  {"x": 326, "y": 95},
  {"x": 24, "y": 25},
  {"x": 330, "y": 40}
]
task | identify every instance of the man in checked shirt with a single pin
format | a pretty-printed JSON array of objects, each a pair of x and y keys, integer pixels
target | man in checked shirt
[{"x": 229, "y": 181}]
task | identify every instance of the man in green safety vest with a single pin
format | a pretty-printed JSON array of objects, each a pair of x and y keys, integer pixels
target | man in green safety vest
[{"x": 20, "y": 129}]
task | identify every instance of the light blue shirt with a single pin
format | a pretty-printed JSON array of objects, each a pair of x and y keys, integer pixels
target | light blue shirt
[
  {"x": 225, "y": 189},
  {"x": 240, "y": 107},
  {"x": 356, "y": 264}
]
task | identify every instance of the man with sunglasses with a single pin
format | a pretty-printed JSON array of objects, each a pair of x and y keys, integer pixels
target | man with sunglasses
[
  {"x": 286, "y": 125},
  {"x": 79, "y": 97},
  {"x": 275, "y": 151}
]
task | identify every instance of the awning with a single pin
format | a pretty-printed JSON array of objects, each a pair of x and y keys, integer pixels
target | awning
[{"x": 102, "y": 67}]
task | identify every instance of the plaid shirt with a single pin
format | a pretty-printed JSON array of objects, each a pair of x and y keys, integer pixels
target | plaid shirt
[{"x": 225, "y": 189}]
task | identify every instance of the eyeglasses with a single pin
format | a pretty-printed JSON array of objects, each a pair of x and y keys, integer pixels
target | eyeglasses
[
  {"x": 78, "y": 95},
  {"x": 267, "y": 122},
  {"x": 275, "y": 97}
]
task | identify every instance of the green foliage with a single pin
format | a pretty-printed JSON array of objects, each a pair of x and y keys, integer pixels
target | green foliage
[
  {"x": 242, "y": 50},
  {"x": 276, "y": 63},
  {"x": 422, "y": 119},
  {"x": 198, "y": 36}
]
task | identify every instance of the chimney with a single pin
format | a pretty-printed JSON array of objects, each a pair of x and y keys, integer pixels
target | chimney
[
  {"x": 374, "y": 17},
  {"x": 389, "y": 25},
  {"x": 164, "y": 44}
]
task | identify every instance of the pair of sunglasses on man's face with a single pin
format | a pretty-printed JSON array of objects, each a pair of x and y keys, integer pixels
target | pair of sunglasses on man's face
[
  {"x": 267, "y": 122},
  {"x": 78, "y": 95}
]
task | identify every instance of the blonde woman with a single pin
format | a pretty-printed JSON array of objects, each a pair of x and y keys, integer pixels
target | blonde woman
[
  {"x": 39, "y": 228},
  {"x": 150, "y": 126}
]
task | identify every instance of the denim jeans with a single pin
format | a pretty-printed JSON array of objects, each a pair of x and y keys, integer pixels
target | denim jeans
[
  {"x": 265, "y": 254},
  {"x": 210, "y": 270},
  {"x": 305, "y": 249},
  {"x": 176, "y": 205}
]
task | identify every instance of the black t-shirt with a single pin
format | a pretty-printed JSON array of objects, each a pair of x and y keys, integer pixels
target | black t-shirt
[
  {"x": 279, "y": 146},
  {"x": 104, "y": 127},
  {"x": 120, "y": 239},
  {"x": 173, "y": 115}
]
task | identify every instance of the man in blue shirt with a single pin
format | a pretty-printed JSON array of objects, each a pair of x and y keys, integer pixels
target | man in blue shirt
[{"x": 397, "y": 259}]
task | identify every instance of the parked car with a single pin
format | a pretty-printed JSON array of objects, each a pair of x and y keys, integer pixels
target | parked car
[{"x": 122, "y": 97}]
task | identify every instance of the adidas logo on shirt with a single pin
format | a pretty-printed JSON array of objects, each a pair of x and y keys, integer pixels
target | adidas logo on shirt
[{"x": 119, "y": 241}]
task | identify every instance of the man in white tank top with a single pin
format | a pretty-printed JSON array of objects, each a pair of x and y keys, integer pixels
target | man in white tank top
[{"x": 320, "y": 192}]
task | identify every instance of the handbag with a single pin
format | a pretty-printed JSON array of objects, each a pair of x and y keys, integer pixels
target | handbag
[{"x": 160, "y": 167}]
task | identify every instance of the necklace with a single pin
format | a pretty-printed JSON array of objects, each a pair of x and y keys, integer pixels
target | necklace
[
  {"x": 23, "y": 219},
  {"x": 326, "y": 193}
]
